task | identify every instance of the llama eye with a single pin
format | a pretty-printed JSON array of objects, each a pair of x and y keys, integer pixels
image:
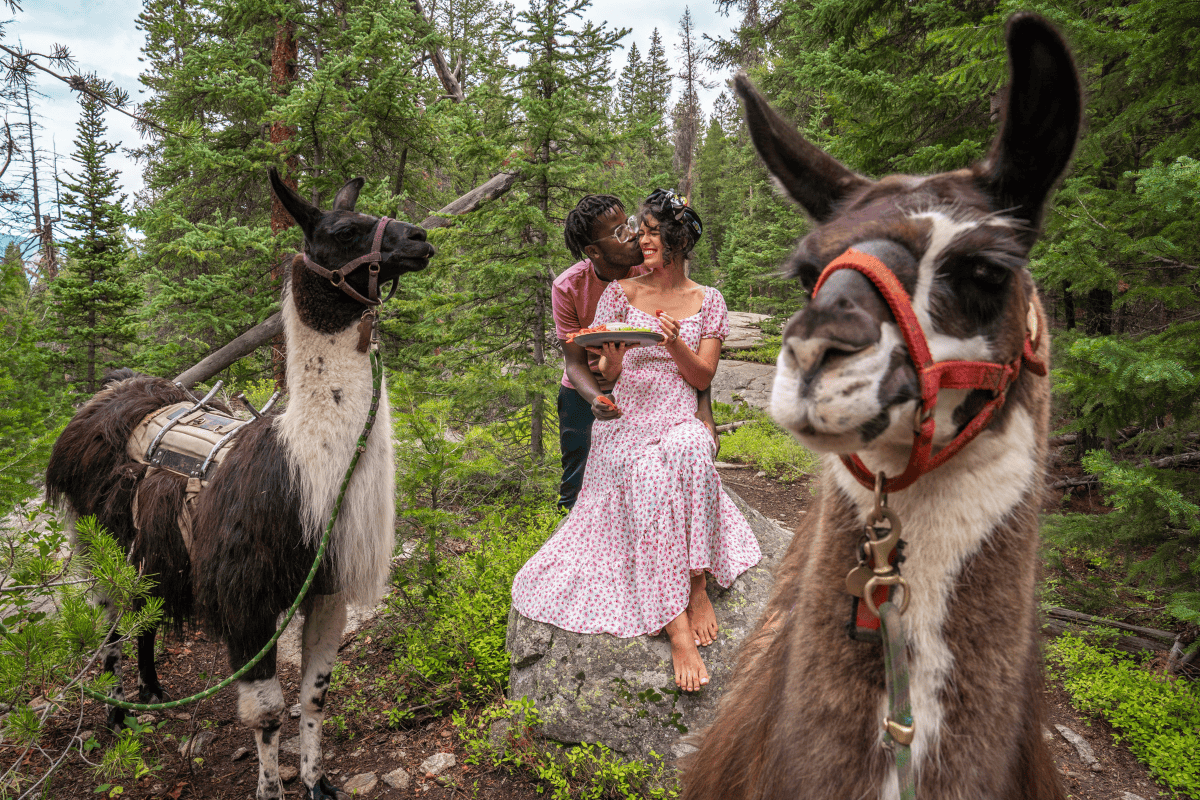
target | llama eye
[
  {"x": 344, "y": 235},
  {"x": 804, "y": 271},
  {"x": 987, "y": 273}
]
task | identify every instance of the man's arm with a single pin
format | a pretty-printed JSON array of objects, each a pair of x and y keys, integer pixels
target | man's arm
[
  {"x": 704, "y": 413},
  {"x": 581, "y": 377}
]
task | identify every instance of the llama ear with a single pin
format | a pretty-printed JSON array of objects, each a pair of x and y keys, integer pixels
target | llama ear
[
  {"x": 347, "y": 196},
  {"x": 812, "y": 177},
  {"x": 305, "y": 214},
  {"x": 1039, "y": 119}
]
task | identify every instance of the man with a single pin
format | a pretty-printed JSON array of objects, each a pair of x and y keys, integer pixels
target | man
[{"x": 598, "y": 234}]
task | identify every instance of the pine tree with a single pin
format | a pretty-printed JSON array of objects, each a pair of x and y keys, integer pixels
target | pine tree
[
  {"x": 687, "y": 115},
  {"x": 360, "y": 104},
  {"x": 94, "y": 301},
  {"x": 631, "y": 82},
  {"x": 495, "y": 267}
]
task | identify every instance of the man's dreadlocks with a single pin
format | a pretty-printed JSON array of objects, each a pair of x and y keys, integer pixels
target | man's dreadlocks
[{"x": 582, "y": 219}]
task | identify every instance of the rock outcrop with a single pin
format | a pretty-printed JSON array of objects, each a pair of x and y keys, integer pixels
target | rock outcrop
[
  {"x": 743, "y": 381},
  {"x": 744, "y": 330},
  {"x": 621, "y": 692}
]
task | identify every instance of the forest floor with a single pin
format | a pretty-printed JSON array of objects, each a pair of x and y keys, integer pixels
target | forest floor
[{"x": 359, "y": 740}]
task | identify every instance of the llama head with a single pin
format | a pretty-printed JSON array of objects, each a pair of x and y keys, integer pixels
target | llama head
[
  {"x": 957, "y": 242},
  {"x": 334, "y": 238}
]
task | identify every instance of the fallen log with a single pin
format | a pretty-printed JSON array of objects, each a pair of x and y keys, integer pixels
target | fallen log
[
  {"x": 732, "y": 426},
  {"x": 1128, "y": 644},
  {"x": 1064, "y": 620},
  {"x": 1077, "y": 616},
  {"x": 470, "y": 201},
  {"x": 240, "y": 347}
]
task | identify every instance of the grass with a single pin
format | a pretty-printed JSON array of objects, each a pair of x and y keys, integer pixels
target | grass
[
  {"x": 1158, "y": 718},
  {"x": 767, "y": 446},
  {"x": 765, "y": 353}
]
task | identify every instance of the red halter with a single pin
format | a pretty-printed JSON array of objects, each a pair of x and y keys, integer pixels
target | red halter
[
  {"x": 338, "y": 276},
  {"x": 996, "y": 378}
]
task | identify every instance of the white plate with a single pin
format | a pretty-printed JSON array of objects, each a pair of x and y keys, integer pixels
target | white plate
[{"x": 629, "y": 337}]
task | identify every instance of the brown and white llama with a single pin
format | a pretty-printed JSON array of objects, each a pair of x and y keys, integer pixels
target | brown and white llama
[
  {"x": 257, "y": 525},
  {"x": 803, "y": 716}
]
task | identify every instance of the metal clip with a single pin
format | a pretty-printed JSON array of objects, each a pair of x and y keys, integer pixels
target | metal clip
[
  {"x": 901, "y": 734},
  {"x": 880, "y": 549},
  {"x": 874, "y": 583}
]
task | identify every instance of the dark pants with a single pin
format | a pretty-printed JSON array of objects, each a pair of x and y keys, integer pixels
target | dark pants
[{"x": 575, "y": 438}]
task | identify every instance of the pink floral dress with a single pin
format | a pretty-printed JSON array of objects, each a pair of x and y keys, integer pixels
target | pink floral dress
[{"x": 651, "y": 511}]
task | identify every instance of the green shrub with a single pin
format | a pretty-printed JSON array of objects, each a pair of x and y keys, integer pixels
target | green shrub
[
  {"x": 501, "y": 737},
  {"x": 765, "y": 353},
  {"x": 48, "y": 654},
  {"x": 770, "y": 448},
  {"x": 1153, "y": 527},
  {"x": 1157, "y": 717},
  {"x": 450, "y": 647}
]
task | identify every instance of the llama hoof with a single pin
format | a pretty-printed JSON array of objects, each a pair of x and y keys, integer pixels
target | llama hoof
[
  {"x": 152, "y": 694},
  {"x": 115, "y": 721},
  {"x": 324, "y": 790},
  {"x": 271, "y": 791}
]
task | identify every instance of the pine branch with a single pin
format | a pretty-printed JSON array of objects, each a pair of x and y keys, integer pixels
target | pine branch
[{"x": 103, "y": 91}]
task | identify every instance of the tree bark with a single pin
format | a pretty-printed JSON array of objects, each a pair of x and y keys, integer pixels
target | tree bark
[{"x": 283, "y": 73}]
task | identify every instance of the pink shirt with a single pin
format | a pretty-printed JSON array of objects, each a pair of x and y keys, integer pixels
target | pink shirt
[{"x": 573, "y": 297}]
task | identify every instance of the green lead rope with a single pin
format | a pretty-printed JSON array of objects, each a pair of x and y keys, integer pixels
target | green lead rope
[
  {"x": 377, "y": 382},
  {"x": 895, "y": 665}
]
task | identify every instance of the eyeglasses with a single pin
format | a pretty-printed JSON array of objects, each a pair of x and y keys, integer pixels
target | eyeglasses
[{"x": 625, "y": 233}]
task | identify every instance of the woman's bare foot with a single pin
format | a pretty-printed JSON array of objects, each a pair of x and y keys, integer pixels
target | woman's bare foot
[
  {"x": 701, "y": 615},
  {"x": 690, "y": 673}
]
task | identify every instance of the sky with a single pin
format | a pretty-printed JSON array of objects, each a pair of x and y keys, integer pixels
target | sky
[{"x": 103, "y": 37}]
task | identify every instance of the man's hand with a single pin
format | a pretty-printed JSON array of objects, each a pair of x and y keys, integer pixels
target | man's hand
[
  {"x": 712, "y": 429},
  {"x": 612, "y": 358},
  {"x": 604, "y": 408}
]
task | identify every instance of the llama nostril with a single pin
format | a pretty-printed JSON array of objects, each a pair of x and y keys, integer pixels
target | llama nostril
[{"x": 814, "y": 352}]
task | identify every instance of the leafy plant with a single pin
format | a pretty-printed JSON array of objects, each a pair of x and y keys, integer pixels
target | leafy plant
[
  {"x": 770, "y": 448},
  {"x": 450, "y": 648},
  {"x": 48, "y": 655},
  {"x": 1154, "y": 522},
  {"x": 1158, "y": 718},
  {"x": 501, "y": 736}
]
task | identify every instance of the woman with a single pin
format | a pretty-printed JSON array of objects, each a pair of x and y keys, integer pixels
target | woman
[{"x": 651, "y": 518}]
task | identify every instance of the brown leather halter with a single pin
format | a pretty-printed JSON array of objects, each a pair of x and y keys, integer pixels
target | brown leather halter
[
  {"x": 338, "y": 276},
  {"x": 996, "y": 378}
]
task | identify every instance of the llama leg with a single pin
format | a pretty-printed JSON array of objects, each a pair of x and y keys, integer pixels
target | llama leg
[
  {"x": 260, "y": 707},
  {"x": 149, "y": 689},
  {"x": 323, "y": 624},
  {"x": 115, "y": 720}
]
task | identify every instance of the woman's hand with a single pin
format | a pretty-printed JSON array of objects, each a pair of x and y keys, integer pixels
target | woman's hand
[
  {"x": 670, "y": 328},
  {"x": 612, "y": 357}
]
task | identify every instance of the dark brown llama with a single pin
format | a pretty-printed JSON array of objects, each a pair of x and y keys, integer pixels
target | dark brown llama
[
  {"x": 804, "y": 713},
  {"x": 257, "y": 525}
]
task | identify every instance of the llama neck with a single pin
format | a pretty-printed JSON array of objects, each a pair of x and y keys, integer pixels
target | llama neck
[
  {"x": 329, "y": 396},
  {"x": 948, "y": 517}
]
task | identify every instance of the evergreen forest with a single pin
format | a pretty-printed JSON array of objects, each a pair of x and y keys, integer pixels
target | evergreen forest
[{"x": 485, "y": 121}]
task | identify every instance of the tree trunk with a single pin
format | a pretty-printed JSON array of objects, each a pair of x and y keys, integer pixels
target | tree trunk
[
  {"x": 1068, "y": 306},
  {"x": 450, "y": 83},
  {"x": 283, "y": 73}
]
